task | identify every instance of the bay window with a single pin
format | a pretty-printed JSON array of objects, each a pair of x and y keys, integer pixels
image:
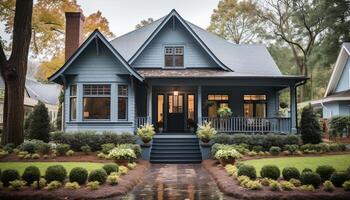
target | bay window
[
  {"x": 73, "y": 103},
  {"x": 96, "y": 101},
  {"x": 122, "y": 102}
]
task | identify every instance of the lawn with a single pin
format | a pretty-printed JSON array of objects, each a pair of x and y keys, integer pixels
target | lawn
[
  {"x": 20, "y": 166},
  {"x": 339, "y": 162}
]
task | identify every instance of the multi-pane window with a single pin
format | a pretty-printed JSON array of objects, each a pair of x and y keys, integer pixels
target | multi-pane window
[
  {"x": 174, "y": 56},
  {"x": 73, "y": 102},
  {"x": 190, "y": 110},
  {"x": 217, "y": 101},
  {"x": 255, "y": 105},
  {"x": 175, "y": 104},
  {"x": 97, "y": 102},
  {"x": 122, "y": 102}
]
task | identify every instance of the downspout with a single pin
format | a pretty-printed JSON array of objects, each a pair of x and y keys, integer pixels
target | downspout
[
  {"x": 296, "y": 107},
  {"x": 323, "y": 106}
]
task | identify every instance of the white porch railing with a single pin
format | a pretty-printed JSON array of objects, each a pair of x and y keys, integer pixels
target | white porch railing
[
  {"x": 252, "y": 125},
  {"x": 142, "y": 121}
]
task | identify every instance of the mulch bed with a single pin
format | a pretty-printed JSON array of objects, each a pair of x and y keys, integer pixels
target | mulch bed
[
  {"x": 125, "y": 185},
  {"x": 77, "y": 157},
  {"x": 230, "y": 187}
]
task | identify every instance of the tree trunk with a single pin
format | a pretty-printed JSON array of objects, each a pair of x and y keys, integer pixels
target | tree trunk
[{"x": 14, "y": 72}]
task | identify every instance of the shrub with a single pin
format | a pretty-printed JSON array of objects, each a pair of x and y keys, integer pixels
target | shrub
[
  {"x": 146, "y": 132},
  {"x": 131, "y": 165},
  {"x": 70, "y": 153},
  {"x": 325, "y": 171},
  {"x": 247, "y": 170},
  {"x": 205, "y": 132},
  {"x": 123, "y": 170},
  {"x": 27, "y": 146},
  {"x": 102, "y": 155},
  {"x": 335, "y": 147},
  {"x": 9, "y": 175},
  {"x": 55, "y": 173},
  {"x": 328, "y": 186},
  {"x": 39, "y": 123},
  {"x": 78, "y": 174},
  {"x": 254, "y": 185},
  {"x": 109, "y": 168},
  {"x": 86, "y": 149},
  {"x": 93, "y": 185},
  {"x": 42, "y": 184},
  {"x": 270, "y": 171},
  {"x": 135, "y": 147},
  {"x": 346, "y": 185},
  {"x": 62, "y": 149},
  {"x": 295, "y": 182},
  {"x": 286, "y": 185},
  {"x": 231, "y": 169},
  {"x": 292, "y": 148},
  {"x": 227, "y": 154},
  {"x": 339, "y": 124},
  {"x": 35, "y": 156},
  {"x": 72, "y": 185},
  {"x": 310, "y": 188},
  {"x": 9, "y": 147},
  {"x": 275, "y": 150},
  {"x": 53, "y": 185},
  {"x": 106, "y": 148},
  {"x": 122, "y": 154},
  {"x": 17, "y": 184},
  {"x": 43, "y": 148},
  {"x": 257, "y": 148},
  {"x": 31, "y": 174},
  {"x": 310, "y": 178},
  {"x": 306, "y": 170},
  {"x": 113, "y": 179},
  {"x": 290, "y": 172},
  {"x": 275, "y": 186},
  {"x": 99, "y": 175},
  {"x": 3, "y": 153},
  {"x": 309, "y": 126},
  {"x": 338, "y": 178}
]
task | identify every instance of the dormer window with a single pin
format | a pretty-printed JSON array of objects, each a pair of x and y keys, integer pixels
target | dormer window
[{"x": 174, "y": 56}]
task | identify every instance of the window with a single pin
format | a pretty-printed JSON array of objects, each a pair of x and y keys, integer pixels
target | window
[
  {"x": 97, "y": 102},
  {"x": 174, "y": 56},
  {"x": 160, "y": 110},
  {"x": 176, "y": 103},
  {"x": 122, "y": 102},
  {"x": 216, "y": 101},
  {"x": 73, "y": 102},
  {"x": 254, "y": 106},
  {"x": 190, "y": 110}
]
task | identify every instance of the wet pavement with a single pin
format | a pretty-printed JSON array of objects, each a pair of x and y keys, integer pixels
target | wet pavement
[{"x": 176, "y": 182}]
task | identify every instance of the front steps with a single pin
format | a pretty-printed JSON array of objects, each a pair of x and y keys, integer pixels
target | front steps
[{"x": 175, "y": 149}]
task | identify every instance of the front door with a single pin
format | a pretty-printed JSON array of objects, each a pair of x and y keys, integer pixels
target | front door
[{"x": 176, "y": 113}]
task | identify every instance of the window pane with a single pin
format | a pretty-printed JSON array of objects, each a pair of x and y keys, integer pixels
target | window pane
[
  {"x": 160, "y": 102},
  {"x": 168, "y": 61},
  {"x": 175, "y": 103},
  {"x": 170, "y": 102},
  {"x": 123, "y": 90},
  {"x": 248, "y": 110},
  {"x": 190, "y": 107},
  {"x": 96, "y": 108},
  {"x": 213, "y": 110},
  {"x": 97, "y": 90},
  {"x": 254, "y": 97},
  {"x": 168, "y": 51},
  {"x": 122, "y": 107},
  {"x": 73, "y": 90},
  {"x": 73, "y": 109},
  {"x": 179, "y": 60},
  {"x": 260, "y": 110}
]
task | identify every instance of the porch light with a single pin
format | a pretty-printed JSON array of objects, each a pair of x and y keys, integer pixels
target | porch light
[{"x": 176, "y": 92}]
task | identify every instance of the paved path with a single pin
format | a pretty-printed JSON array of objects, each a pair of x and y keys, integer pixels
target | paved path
[{"x": 176, "y": 182}]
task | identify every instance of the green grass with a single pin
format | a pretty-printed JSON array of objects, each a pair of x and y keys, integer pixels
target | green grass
[
  {"x": 339, "y": 162},
  {"x": 20, "y": 166}
]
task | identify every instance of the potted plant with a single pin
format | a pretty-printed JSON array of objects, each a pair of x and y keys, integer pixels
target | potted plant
[
  {"x": 205, "y": 132},
  {"x": 227, "y": 156},
  {"x": 146, "y": 133},
  {"x": 122, "y": 156},
  {"x": 224, "y": 112}
]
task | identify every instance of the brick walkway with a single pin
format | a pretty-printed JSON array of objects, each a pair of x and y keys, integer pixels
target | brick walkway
[{"x": 175, "y": 182}]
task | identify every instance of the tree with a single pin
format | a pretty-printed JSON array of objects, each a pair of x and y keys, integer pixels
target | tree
[
  {"x": 310, "y": 128},
  {"x": 39, "y": 123},
  {"x": 13, "y": 71},
  {"x": 144, "y": 23},
  {"x": 235, "y": 21},
  {"x": 97, "y": 21},
  {"x": 59, "y": 112}
]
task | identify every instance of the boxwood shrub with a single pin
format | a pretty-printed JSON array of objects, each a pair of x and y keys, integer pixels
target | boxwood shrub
[
  {"x": 247, "y": 170},
  {"x": 338, "y": 178},
  {"x": 310, "y": 178},
  {"x": 325, "y": 171},
  {"x": 270, "y": 171},
  {"x": 62, "y": 149},
  {"x": 31, "y": 174},
  {"x": 55, "y": 173},
  {"x": 290, "y": 172},
  {"x": 275, "y": 150},
  {"x": 99, "y": 175},
  {"x": 78, "y": 174},
  {"x": 9, "y": 175},
  {"x": 109, "y": 168}
]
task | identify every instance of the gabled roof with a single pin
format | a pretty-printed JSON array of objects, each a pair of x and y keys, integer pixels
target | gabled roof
[
  {"x": 338, "y": 69},
  {"x": 94, "y": 35},
  {"x": 248, "y": 58}
]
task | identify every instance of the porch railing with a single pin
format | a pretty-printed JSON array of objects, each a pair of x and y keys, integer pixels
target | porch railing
[
  {"x": 252, "y": 125},
  {"x": 142, "y": 121}
]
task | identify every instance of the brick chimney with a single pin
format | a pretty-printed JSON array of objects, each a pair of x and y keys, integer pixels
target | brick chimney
[{"x": 74, "y": 32}]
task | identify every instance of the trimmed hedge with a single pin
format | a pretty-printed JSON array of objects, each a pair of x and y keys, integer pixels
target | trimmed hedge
[
  {"x": 325, "y": 171},
  {"x": 266, "y": 141},
  {"x": 55, "y": 173},
  {"x": 247, "y": 170},
  {"x": 79, "y": 175},
  {"x": 290, "y": 172},
  {"x": 109, "y": 168},
  {"x": 338, "y": 178},
  {"x": 310, "y": 178},
  {"x": 9, "y": 175},
  {"x": 31, "y": 174},
  {"x": 99, "y": 175},
  {"x": 270, "y": 171},
  {"x": 78, "y": 139}
]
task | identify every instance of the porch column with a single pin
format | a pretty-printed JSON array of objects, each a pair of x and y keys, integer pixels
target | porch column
[
  {"x": 199, "y": 104},
  {"x": 293, "y": 108},
  {"x": 149, "y": 103}
]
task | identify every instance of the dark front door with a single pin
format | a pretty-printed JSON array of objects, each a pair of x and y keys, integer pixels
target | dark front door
[{"x": 176, "y": 113}]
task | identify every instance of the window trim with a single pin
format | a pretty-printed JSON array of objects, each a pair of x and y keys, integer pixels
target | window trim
[
  {"x": 97, "y": 96},
  {"x": 218, "y": 101},
  {"x": 70, "y": 102},
  {"x": 173, "y": 56},
  {"x": 254, "y": 102},
  {"x": 127, "y": 102}
]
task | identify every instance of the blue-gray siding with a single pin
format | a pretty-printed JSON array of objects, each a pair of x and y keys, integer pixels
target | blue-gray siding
[
  {"x": 344, "y": 81},
  {"x": 336, "y": 108}
]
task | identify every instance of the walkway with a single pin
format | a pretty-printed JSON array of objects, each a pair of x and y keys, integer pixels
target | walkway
[{"x": 176, "y": 182}]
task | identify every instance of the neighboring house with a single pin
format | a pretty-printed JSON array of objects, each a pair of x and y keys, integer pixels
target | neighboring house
[
  {"x": 336, "y": 101},
  {"x": 34, "y": 92},
  {"x": 173, "y": 74}
]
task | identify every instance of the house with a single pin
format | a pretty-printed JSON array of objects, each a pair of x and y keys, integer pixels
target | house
[
  {"x": 34, "y": 92},
  {"x": 336, "y": 100},
  {"x": 173, "y": 74}
]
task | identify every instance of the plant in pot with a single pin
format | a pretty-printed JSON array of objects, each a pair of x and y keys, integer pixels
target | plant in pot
[
  {"x": 122, "y": 156},
  {"x": 224, "y": 112},
  {"x": 146, "y": 133},
  {"x": 205, "y": 132},
  {"x": 227, "y": 156}
]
